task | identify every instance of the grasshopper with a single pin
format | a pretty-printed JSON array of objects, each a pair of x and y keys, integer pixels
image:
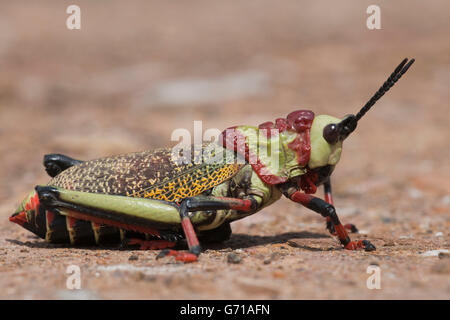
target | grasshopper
[{"x": 151, "y": 200}]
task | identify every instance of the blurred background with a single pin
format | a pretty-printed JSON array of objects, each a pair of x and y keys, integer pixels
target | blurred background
[{"x": 137, "y": 70}]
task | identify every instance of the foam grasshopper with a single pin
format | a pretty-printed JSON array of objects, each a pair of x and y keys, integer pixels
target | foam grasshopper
[{"x": 151, "y": 200}]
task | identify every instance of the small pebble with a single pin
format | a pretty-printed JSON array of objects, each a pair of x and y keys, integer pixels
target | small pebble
[
  {"x": 434, "y": 253},
  {"x": 444, "y": 255},
  {"x": 387, "y": 219},
  {"x": 278, "y": 274},
  {"x": 415, "y": 193},
  {"x": 133, "y": 257},
  {"x": 234, "y": 258},
  {"x": 295, "y": 243},
  {"x": 275, "y": 255},
  {"x": 445, "y": 200},
  {"x": 438, "y": 234},
  {"x": 267, "y": 261}
]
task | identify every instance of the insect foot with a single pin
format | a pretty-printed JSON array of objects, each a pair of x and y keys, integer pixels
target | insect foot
[
  {"x": 360, "y": 244},
  {"x": 183, "y": 256},
  {"x": 351, "y": 227}
]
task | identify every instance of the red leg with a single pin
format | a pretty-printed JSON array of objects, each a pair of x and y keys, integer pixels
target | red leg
[
  {"x": 151, "y": 244},
  {"x": 191, "y": 238},
  {"x": 179, "y": 255},
  {"x": 197, "y": 204},
  {"x": 327, "y": 210},
  {"x": 193, "y": 244},
  {"x": 329, "y": 199}
]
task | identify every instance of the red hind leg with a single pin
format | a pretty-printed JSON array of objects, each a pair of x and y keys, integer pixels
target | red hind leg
[
  {"x": 151, "y": 244},
  {"x": 193, "y": 244},
  {"x": 179, "y": 255}
]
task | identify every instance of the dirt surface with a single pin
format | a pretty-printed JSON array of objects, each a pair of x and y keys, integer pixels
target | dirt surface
[{"x": 138, "y": 70}]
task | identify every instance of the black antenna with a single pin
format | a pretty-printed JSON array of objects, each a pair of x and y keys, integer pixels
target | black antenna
[{"x": 393, "y": 78}]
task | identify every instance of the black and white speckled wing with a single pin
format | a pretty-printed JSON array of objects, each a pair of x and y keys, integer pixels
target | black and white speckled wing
[{"x": 148, "y": 174}]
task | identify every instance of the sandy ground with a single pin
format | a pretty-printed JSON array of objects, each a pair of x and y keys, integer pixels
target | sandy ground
[{"x": 136, "y": 72}]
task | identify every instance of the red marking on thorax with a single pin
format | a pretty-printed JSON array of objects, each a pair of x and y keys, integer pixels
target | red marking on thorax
[
  {"x": 300, "y": 121},
  {"x": 234, "y": 140}
]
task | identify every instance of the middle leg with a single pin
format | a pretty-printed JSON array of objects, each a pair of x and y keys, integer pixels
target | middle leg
[{"x": 202, "y": 203}]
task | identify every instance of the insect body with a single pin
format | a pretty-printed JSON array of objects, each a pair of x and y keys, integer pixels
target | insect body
[{"x": 150, "y": 199}]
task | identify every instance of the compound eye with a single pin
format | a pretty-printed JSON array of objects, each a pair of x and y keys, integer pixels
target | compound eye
[{"x": 331, "y": 134}]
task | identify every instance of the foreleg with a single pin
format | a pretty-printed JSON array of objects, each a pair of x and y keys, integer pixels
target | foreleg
[
  {"x": 328, "y": 211},
  {"x": 329, "y": 199}
]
